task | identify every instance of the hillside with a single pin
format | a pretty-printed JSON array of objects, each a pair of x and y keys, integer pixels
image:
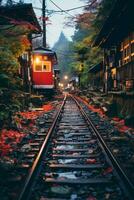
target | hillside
[{"x": 62, "y": 48}]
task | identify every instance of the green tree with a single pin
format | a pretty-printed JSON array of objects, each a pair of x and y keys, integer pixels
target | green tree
[
  {"x": 13, "y": 43},
  {"x": 102, "y": 13},
  {"x": 87, "y": 27},
  {"x": 85, "y": 55}
]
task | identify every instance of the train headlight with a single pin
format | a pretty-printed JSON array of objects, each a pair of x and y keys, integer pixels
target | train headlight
[{"x": 37, "y": 60}]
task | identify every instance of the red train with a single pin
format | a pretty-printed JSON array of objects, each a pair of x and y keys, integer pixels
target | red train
[{"x": 43, "y": 69}]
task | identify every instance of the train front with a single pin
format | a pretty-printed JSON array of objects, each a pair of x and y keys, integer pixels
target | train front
[{"x": 43, "y": 61}]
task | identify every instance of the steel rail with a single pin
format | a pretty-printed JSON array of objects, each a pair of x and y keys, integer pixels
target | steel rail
[
  {"x": 129, "y": 187},
  {"x": 26, "y": 191}
]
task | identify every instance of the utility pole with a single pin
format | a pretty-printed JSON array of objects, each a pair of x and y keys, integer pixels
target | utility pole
[{"x": 44, "y": 22}]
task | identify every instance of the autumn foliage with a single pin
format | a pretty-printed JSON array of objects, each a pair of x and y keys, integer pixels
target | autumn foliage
[
  {"x": 47, "y": 107},
  {"x": 8, "y": 140},
  {"x": 119, "y": 123},
  {"x": 23, "y": 121},
  {"x": 14, "y": 42}
]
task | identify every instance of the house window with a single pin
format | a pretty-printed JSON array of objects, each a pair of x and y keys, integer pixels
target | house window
[
  {"x": 132, "y": 50},
  {"x": 126, "y": 51},
  {"x": 126, "y": 54}
]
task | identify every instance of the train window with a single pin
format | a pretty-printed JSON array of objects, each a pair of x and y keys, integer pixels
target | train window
[
  {"x": 42, "y": 66},
  {"x": 38, "y": 67},
  {"x": 46, "y": 66}
]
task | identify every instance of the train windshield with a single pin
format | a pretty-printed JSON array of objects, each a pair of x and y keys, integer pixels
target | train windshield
[
  {"x": 38, "y": 67},
  {"x": 42, "y": 66}
]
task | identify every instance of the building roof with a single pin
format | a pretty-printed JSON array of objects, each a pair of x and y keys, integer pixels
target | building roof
[
  {"x": 96, "y": 68},
  {"x": 118, "y": 24},
  {"x": 20, "y": 14}
]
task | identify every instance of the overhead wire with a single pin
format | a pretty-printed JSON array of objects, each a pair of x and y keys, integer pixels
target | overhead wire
[
  {"x": 76, "y": 8},
  {"x": 65, "y": 11},
  {"x": 61, "y": 9}
]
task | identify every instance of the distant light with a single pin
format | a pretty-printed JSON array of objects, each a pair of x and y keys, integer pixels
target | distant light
[
  {"x": 61, "y": 84},
  {"x": 68, "y": 85},
  {"x": 65, "y": 77}
]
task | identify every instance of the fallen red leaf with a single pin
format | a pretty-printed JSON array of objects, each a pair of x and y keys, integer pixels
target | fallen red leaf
[
  {"x": 9, "y": 136},
  {"x": 90, "y": 161},
  {"x": 47, "y": 107},
  {"x": 107, "y": 171}
]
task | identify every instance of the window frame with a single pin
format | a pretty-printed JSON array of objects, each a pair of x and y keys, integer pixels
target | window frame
[{"x": 42, "y": 63}]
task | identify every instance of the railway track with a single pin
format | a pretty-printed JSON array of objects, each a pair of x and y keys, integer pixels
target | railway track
[{"x": 75, "y": 163}]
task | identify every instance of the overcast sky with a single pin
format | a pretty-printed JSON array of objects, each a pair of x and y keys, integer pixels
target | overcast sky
[
  {"x": 57, "y": 21},
  {"x": 56, "y": 24}
]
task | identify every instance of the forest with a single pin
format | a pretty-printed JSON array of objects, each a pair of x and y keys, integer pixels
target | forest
[
  {"x": 76, "y": 57},
  {"x": 80, "y": 53}
]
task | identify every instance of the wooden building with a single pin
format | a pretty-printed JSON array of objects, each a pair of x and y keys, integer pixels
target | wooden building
[
  {"x": 117, "y": 39},
  {"x": 21, "y": 15},
  {"x": 96, "y": 76}
]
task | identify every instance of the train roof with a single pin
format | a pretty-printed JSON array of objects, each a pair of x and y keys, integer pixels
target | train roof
[{"x": 45, "y": 51}]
